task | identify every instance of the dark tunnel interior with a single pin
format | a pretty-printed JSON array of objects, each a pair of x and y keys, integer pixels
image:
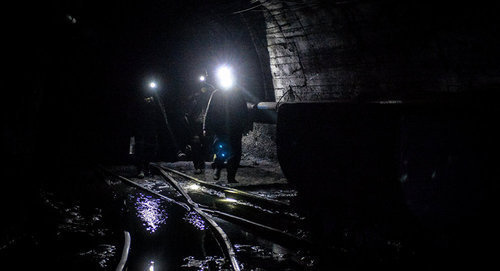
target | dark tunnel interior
[
  {"x": 381, "y": 113},
  {"x": 84, "y": 76}
]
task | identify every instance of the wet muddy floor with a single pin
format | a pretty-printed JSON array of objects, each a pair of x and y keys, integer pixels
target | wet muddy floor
[
  {"x": 89, "y": 220},
  {"x": 80, "y": 222}
]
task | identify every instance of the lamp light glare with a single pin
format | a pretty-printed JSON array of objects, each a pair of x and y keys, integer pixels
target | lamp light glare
[
  {"x": 152, "y": 85},
  {"x": 202, "y": 78},
  {"x": 194, "y": 187},
  {"x": 225, "y": 77}
]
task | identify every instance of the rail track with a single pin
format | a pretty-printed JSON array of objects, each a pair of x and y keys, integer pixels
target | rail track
[{"x": 271, "y": 219}]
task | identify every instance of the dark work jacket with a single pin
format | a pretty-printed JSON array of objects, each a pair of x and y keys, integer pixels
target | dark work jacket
[
  {"x": 147, "y": 119},
  {"x": 196, "y": 107},
  {"x": 226, "y": 113}
]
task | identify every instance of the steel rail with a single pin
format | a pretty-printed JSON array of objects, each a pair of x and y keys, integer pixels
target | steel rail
[
  {"x": 224, "y": 189},
  {"x": 254, "y": 224},
  {"x": 136, "y": 185},
  {"x": 230, "y": 253},
  {"x": 191, "y": 205},
  {"x": 231, "y": 191},
  {"x": 232, "y": 217}
]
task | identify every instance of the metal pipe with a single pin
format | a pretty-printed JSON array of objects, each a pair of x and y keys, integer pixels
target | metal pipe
[
  {"x": 266, "y": 106},
  {"x": 126, "y": 248},
  {"x": 264, "y": 112}
]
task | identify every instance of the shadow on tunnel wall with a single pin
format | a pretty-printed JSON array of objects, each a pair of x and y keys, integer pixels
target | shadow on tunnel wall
[{"x": 256, "y": 25}]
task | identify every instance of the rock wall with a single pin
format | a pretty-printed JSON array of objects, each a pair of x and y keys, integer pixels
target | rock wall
[
  {"x": 260, "y": 143},
  {"x": 328, "y": 50},
  {"x": 331, "y": 50}
]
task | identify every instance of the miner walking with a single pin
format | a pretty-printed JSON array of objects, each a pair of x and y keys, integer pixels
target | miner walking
[
  {"x": 193, "y": 119},
  {"x": 226, "y": 118}
]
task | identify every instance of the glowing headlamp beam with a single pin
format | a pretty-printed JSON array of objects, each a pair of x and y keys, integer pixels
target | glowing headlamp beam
[{"x": 225, "y": 77}]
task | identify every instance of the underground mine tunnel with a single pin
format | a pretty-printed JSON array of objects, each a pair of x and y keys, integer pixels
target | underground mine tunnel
[{"x": 365, "y": 135}]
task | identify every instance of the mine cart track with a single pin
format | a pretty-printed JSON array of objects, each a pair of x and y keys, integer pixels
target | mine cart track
[
  {"x": 207, "y": 212},
  {"x": 235, "y": 193},
  {"x": 222, "y": 237},
  {"x": 280, "y": 209}
]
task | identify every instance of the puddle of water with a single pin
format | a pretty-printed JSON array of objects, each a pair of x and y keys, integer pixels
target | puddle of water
[
  {"x": 196, "y": 220},
  {"x": 186, "y": 245},
  {"x": 277, "y": 194},
  {"x": 149, "y": 211},
  {"x": 190, "y": 187},
  {"x": 207, "y": 263},
  {"x": 73, "y": 234},
  {"x": 257, "y": 253},
  {"x": 102, "y": 254},
  {"x": 164, "y": 234}
]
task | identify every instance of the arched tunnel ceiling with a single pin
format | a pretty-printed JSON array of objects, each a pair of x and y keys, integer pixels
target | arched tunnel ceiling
[
  {"x": 81, "y": 63},
  {"x": 316, "y": 49}
]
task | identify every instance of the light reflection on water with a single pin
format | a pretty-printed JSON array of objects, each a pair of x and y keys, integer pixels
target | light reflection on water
[
  {"x": 196, "y": 220},
  {"x": 103, "y": 254},
  {"x": 208, "y": 263},
  {"x": 150, "y": 212}
]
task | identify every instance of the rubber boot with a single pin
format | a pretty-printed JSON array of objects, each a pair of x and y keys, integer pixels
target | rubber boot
[
  {"x": 231, "y": 175},
  {"x": 217, "y": 173}
]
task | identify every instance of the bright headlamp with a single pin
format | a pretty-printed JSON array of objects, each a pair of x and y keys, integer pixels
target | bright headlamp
[{"x": 225, "y": 77}]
